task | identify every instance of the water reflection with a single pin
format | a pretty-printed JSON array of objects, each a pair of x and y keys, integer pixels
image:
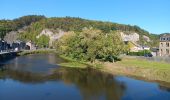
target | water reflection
[
  {"x": 93, "y": 85},
  {"x": 38, "y": 77},
  {"x": 164, "y": 86}
]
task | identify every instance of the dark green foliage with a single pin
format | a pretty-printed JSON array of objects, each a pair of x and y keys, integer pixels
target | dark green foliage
[
  {"x": 26, "y": 20},
  {"x": 12, "y": 25},
  {"x": 78, "y": 24},
  {"x": 91, "y": 44},
  {"x": 38, "y": 23}
]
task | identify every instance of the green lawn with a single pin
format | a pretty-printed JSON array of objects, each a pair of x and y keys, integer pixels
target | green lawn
[{"x": 143, "y": 63}]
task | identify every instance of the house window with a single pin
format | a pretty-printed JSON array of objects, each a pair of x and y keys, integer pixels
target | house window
[
  {"x": 167, "y": 44},
  {"x": 161, "y": 44},
  {"x": 167, "y": 51},
  {"x": 161, "y": 53}
]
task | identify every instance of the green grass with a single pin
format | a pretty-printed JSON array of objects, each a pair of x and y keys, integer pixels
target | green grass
[
  {"x": 43, "y": 51},
  {"x": 96, "y": 65},
  {"x": 131, "y": 62}
]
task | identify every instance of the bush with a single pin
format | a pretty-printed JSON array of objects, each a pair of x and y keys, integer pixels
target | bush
[{"x": 140, "y": 53}]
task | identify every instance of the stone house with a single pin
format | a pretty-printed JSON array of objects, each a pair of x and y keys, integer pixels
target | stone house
[
  {"x": 164, "y": 45},
  {"x": 30, "y": 46},
  {"x": 155, "y": 51}
]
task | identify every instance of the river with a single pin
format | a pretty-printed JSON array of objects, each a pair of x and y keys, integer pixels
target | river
[{"x": 38, "y": 77}]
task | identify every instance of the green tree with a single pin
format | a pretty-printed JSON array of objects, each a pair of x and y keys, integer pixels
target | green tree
[
  {"x": 43, "y": 41},
  {"x": 91, "y": 44}
]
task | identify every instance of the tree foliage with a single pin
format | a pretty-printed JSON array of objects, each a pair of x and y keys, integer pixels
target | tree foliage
[
  {"x": 35, "y": 24},
  {"x": 91, "y": 44},
  {"x": 43, "y": 41},
  {"x": 13, "y": 25},
  {"x": 78, "y": 24}
]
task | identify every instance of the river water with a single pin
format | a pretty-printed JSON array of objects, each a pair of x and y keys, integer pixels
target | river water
[{"x": 38, "y": 77}]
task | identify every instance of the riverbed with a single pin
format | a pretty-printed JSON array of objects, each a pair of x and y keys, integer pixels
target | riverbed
[{"x": 39, "y": 77}]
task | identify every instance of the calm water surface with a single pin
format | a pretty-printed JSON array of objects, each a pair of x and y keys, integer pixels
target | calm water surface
[{"x": 38, "y": 77}]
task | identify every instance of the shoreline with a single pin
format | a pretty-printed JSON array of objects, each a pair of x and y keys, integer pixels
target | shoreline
[
  {"x": 150, "y": 72},
  {"x": 38, "y": 51}
]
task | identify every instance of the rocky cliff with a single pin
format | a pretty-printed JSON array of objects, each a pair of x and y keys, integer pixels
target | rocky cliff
[{"x": 52, "y": 34}]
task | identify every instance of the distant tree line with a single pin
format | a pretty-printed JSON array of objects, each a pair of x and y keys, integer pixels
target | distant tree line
[{"x": 13, "y": 25}]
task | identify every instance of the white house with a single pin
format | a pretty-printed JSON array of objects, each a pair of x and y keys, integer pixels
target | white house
[{"x": 31, "y": 45}]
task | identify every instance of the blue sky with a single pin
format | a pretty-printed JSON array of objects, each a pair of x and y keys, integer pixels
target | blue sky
[{"x": 151, "y": 15}]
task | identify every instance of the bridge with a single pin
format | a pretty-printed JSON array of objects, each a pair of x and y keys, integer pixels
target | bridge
[{"x": 8, "y": 54}]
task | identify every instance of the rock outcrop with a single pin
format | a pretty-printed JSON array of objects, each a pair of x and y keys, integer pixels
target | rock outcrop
[
  {"x": 11, "y": 37},
  {"x": 53, "y": 35},
  {"x": 146, "y": 38},
  {"x": 133, "y": 37},
  {"x": 14, "y": 35}
]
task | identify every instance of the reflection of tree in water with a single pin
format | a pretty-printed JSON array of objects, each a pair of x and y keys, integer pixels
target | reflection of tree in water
[{"x": 93, "y": 85}]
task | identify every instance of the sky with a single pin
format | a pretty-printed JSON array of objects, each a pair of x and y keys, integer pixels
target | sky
[{"x": 151, "y": 15}]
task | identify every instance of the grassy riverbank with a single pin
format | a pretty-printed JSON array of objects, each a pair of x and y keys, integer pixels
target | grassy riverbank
[
  {"x": 79, "y": 64},
  {"x": 142, "y": 63},
  {"x": 129, "y": 66},
  {"x": 155, "y": 71},
  {"x": 149, "y": 70},
  {"x": 38, "y": 51}
]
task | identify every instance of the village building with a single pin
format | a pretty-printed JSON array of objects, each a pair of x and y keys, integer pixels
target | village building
[
  {"x": 18, "y": 45},
  {"x": 164, "y": 45},
  {"x": 4, "y": 45},
  {"x": 134, "y": 47},
  {"x": 155, "y": 51},
  {"x": 30, "y": 46}
]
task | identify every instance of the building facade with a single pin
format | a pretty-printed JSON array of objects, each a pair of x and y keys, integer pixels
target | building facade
[
  {"x": 4, "y": 46},
  {"x": 30, "y": 46},
  {"x": 18, "y": 45},
  {"x": 164, "y": 45}
]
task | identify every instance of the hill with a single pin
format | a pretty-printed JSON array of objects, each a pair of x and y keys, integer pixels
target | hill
[
  {"x": 7, "y": 26},
  {"x": 36, "y": 24}
]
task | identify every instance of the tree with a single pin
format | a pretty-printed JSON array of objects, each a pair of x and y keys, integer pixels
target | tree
[
  {"x": 91, "y": 44},
  {"x": 43, "y": 41}
]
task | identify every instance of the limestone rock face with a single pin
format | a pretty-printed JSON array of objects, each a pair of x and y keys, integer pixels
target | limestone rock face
[
  {"x": 146, "y": 38},
  {"x": 133, "y": 37},
  {"x": 14, "y": 35},
  {"x": 53, "y": 35},
  {"x": 11, "y": 37}
]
